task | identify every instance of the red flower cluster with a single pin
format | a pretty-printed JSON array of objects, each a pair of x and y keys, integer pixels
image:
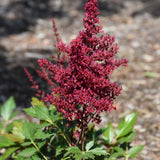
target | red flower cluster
[{"x": 84, "y": 88}]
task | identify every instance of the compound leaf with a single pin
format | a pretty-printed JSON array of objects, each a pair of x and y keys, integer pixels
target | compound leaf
[
  {"x": 28, "y": 152},
  {"x": 29, "y": 129},
  {"x": 98, "y": 151}
]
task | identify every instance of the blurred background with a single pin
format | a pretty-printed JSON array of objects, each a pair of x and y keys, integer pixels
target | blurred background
[{"x": 26, "y": 35}]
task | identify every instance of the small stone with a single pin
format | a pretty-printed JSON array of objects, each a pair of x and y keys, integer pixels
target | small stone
[
  {"x": 109, "y": 29},
  {"x": 158, "y": 52},
  {"x": 147, "y": 58},
  {"x": 131, "y": 106},
  {"x": 139, "y": 128},
  {"x": 135, "y": 44}
]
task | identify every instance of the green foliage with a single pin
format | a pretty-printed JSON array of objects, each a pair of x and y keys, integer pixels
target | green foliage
[
  {"x": 134, "y": 151},
  {"x": 28, "y": 152},
  {"x": 109, "y": 134},
  {"x": 150, "y": 74},
  {"x": 52, "y": 138},
  {"x": 29, "y": 129},
  {"x": 75, "y": 152},
  {"x": 7, "y": 109},
  {"x": 126, "y": 125},
  {"x": 5, "y": 142},
  {"x": 89, "y": 145},
  {"x": 8, "y": 152},
  {"x": 17, "y": 129},
  {"x": 1, "y": 125}
]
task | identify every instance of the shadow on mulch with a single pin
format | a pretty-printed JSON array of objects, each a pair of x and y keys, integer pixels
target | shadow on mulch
[
  {"x": 14, "y": 82},
  {"x": 106, "y": 7},
  {"x": 150, "y": 6},
  {"x": 18, "y": 16}
]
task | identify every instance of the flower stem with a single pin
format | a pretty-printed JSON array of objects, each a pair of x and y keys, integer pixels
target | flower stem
[
  {"x": 4, "y": 127},
  {"x": 63, "y": 134},
  {"x": 67, "y": 139},
  {"x": 126, "y": 156},
  {"x": 39, "y": 150}
]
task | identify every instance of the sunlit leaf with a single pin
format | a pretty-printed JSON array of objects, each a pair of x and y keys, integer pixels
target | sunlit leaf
[
  {"x": 127, "y": 138},
  {"x": 17, "y": 129},
  {"x": 36, "y": 102},
  {"x": 109, "y": 133},
  {"x": 89, "y": 145},
  {"x": 126, "y": 125},
  {"x": 134, "y": 151},
  {"x": 99, "y": 151},
  {"x": 7, "y": 108},
  {"x": 5, "y": 142}
]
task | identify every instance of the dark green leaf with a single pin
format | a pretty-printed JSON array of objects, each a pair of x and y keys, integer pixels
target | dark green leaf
[
  {"x": 83, "y": 156},
  {"x": 7, "y": 108},
  {"x": 59, "y": 151},
  {"x": 54, "y": 116},
  {"x": 115, "y": 155},
  {"x": 89, "y": 145},
  {"x": 127, "y": 138},
  {"x": 126, "y": 125},
  {"x": 95, "y": 134},
  {"x": 72, "y": 150},
  {"x": 119, "y": 150},
  {"x": 28, "y": 152},
  {"x": 134, "y": 151},
  {"x": 41, "y": 144},
  {"x": 109, "y": 133},
  {"x": 9, "y": 127},
  {"x": 53, "y": 138}
]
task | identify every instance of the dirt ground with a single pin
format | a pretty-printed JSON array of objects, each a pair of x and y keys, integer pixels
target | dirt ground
[{"x": 26, "y": 35}]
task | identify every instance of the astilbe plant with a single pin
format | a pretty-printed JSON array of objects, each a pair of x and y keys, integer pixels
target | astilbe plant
[{"x": 84, "y": 88}]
